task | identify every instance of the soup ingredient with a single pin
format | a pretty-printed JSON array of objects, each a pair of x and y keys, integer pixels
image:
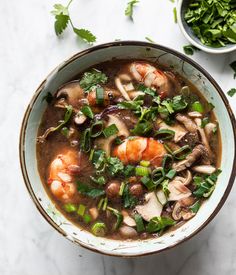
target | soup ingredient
[
  {"x": 213, "y": 22},
  {"x": 158, "y": 224},
  {"x": 233, "y": 66},
  {"x": 231, "y": 92},
  {"x": 62, "y": 19},
  {"x": 139, "y": 148},
  {"x": 182, "y": 209},
  {"x": 204, "y": 169},
  {"x": 130, "y": 7},
  {"x": 99, "y": 229},
  {"x": 127, "y": 231},
  {"x": 89, "y": 191},
  {"x": 112, "y": 189},
  {"x": 50, "y": 130},
  {"x": 190, "y": 49},
  {"x": 91, "y": 79}
]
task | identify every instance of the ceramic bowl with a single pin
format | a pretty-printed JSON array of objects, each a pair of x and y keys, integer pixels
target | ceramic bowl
[
  {"x": 181, "y": 7},
  {"x": 127, "y": 50}
]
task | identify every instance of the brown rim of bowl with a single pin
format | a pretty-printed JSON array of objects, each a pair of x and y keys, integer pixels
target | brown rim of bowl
[{"x": 103, "y": 46}]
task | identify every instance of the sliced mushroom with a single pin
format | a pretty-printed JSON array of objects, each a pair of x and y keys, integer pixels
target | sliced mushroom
[
  {"x": 204, "y": 169},
  {"x": 105, "y": 143},
  {"x": 197, "y": 152},
  {"x": 70, "y": 94},
  {"x": 121, "y": 88},
  {"x": 180, "y": 209},
  {"x": 127, "y": 219},
  {"x": 152, "y": 208},
  {"x": 209, "y": 128},
  {"x": 127, "y": 231},
  {"x": 180, "y": 132},
  {"x": 187, "y": 122},
  {"x": 178, "y": 190},
  {"x": 203, "y": 135},
  {"x": 194, "y": 114}
]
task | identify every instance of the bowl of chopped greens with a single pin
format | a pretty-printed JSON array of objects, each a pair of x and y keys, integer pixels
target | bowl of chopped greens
[
  {"x": 209, "y": 25},
  {"x": 128, "y": 148}
]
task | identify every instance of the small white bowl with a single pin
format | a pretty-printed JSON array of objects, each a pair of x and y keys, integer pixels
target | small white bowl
[{"x": 191, "y": 37}]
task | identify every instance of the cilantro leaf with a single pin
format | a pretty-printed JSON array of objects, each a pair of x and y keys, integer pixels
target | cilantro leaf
[
  {"x": 61, "y": 23},
  {"x": 129, "y": 200},
  {"x": 84, "y": 189},
  {"x": 84, "y": 34},
  {"x": 189, "y": 49},
  {"x": 92, "y": 78},
  {"x": 130, "y": 7},
  {"x": 115, "y": 166},
  {"x": 231, "y": 92},
  {"x": 157, "y": 224}
]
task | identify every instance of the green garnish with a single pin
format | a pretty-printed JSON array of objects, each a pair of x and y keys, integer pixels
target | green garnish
[
  {"x": 87, "y": 218},
  {"x": 129, "y": 200},
  {"x": 128, "y": 170},
  {"x": 171, "y": 174},
  {"x": 142, "y": 128},
  {"x": 65, "y": 131},
  {"x": 99, "y": 229},
  {"x": 190, "y": 49},
  {"x": 96, "y": 128},
  {"x": 158, "y": 175},
  {"x": 62, "y": 19},
  {"x": 145, "y": 163},
  {"x": 231, "y": 92},
  {"x": 81, "y": 210},
  {"x": 91, "y": 79},
  {"x": 213, "y": 22},
  {"x": 67, "y": 116},
  {"x": 118, "y": 215},
  {"x": 70, "y": 207},
  {"x": 87, "y": 111},
  {"x": 139, "y": 223},
  {"x": 148, "y": 183},
  {"x": 130, "y": 7},
  {"x": 158, "y": 224},
  {"x": 85, "y": 141},
  {"x": 142, "y": 171},
  {"x": 195, "y": 207},
  {"x": 175, "y": 14},
  {"x": 100, "y": 180},
  {"x": 233, "y": 66},
  {"x": 84, "y": 189},
  {"x": 99, "y": 96},
  {"x": 122, "y": 187},
  {"x": 165, "y": 134},
  {"x": 114, "y": 166},
  {"x": 111, "y": 130},
  {"x": 205, "y": 121},
  {"x": 197, "y": 107},
  {"x": 182, "y": 152}
]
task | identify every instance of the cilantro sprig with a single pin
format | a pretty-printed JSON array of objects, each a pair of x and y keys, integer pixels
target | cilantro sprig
[
  {"x": 130, "y": 8},
  {"x": 63, "y": 19}
]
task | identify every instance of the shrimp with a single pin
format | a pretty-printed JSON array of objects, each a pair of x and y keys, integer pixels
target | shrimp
[
  {"x": 61, "y": 172},
  {"x": 151, "y": 77},
  {"x": 140, "y": 148}
]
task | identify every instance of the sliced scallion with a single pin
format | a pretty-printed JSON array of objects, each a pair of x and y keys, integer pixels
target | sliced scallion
[
  {"x": 99, "y": 96},
  {"x": 170, "y": 175},
  {"x": 99, "y": 229},
  {"x": 81, "y": 210},
  {"x": 167, "y": 162},
  {"x": 145, "y": 163},
  {"x": 122, "y": 187},
  {"x": 85, "y": 141},
  {"x": 96, "y": 128},
  {"x": 142, "y": 171},
  {"x": 87, "y": 218},
  {"x": 104, "y": 207},
  {"x": 197, "y": 107},
  {"x": 147, "y": 181},
  {"x": 182, "y": 152},
  {"x": 165, "y": 134},
  {"x": 70, "y": 207},
  {"x": 110, "y": 130},
  {"x": 158, "y": 175},
  {"x": 87, "y": 111},
  {"x": 139, "y": 223}
]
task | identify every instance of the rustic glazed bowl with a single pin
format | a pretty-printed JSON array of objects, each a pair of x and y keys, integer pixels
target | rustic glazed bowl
[{"x": 128, "y": 50}]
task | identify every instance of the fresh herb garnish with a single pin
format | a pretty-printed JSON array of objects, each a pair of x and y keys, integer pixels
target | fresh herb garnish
[
  {"x": 130, "y": 7},
  {"x": 195, "y": 207},
  {"x": 175, "y": 14},
  {"x": 62, "y": 19},
  {"x": 84, "y": 189},
  {"x": 213, "y": 22},
  {"x": 158, "y": 224},
  {"x": 190, "y": 49},
  {"x": 231, "y": 92},
  {"x": 119, "y": 217},
  {"x": 233, "y": 66},
  {"x": 111, "y": 130},
  {"x": 86, "y": 110},
  {"x": 150, "y": 39},
  {"x": 205, "y": 121},
  {"x": 129, "y": 200},
  {"x": 91, "y": 79},
  {"x": 114, "y": 166}
]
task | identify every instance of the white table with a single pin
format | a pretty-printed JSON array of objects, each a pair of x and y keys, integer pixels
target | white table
[{"x": 29, "y": 49}]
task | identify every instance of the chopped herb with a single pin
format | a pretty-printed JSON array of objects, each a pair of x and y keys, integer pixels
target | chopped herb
[
  {"x": 175, "y": 14},
  {"x": 65, "y": 131},
  {"x": 170, "y": 175},
  {"x": 62, "y": 19},
  {"x": 165, "y": 188},
  {"x": 122, "y": 186},
  {"x": 87, "y": 218},
  {"x": 189, "y": 49},
  {"x": 164, "y": 134},
  {"x": 118, "y": 215},
  {"x": 85, "y": 141},
  {"x": 158, "y": 224},
  {"x": 100, "y": 180},
  {"x": 118, "y": 141},
  {"x": 197, "y": 107},
  {"x": 129, "y": 200},
  {"x": 148, "y": 183},
  {"x": 128, "y": 170},
  {"x": 130, "y": 7},
  {"x": 96, "y": 128},
  {"x": 86, "y": 110},
  {"x": 195, "y": 207},
  {"x": 99, "y": 96},
  {"x": 92, "y": 78},
  {"x": 115, "y": 166},
  {"x": 142, "y": 171},
  {"x": 139, "y": 223},
  {"x": 145, "y": 163},
  {"x": 99, "y": 229},
  {"x": 233, "y": 66},
  {"x": 111, "y": 130},
  {"x": 231, "y": 92},
  {"x": 70, "y": 207},
  {"x": 142, "y": 128},
  {"x": 205, "y": 121},
  {"x": 149, "y": 39},
  {"x": 81, "y": 210},
  {"x": 84, "y": 189}
]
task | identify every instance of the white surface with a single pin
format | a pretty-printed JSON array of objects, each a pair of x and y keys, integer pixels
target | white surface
[{"x": 29, "y": 49}]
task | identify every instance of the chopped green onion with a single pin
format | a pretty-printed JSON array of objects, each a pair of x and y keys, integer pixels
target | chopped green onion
[
  {"x": 85, "y": 141},
  {"x": 122, "y": 187},
  {"x": 165, "y": 134},
  {"x": 145, "y": 163},
  {"x": 91, "y": 154},
  {"x": 142, "y": 171},
  {"x": 165, "y": 188},
  {"x": 147, "y": 181},
  {"x": 170, "y": 175},
  {"x": 99, "y": 96},
  {"x": 100, "y": 180},
  {"x": 81, "y": 210},
  {"x": 96, "y": 129},
  {"x": 128, "y": 170},
  {"x": 158, "y": 175},
  {"x": 168, "y": 148},
  {"x": 205, "y": 121},
  {"x": 105, "y": 204},
  {"x": 185, "y": 91},
  {"x": 99, "y": 159},
  {"x": 100, "y": 203},
  {"x": 195, "y": 207},
  {"x": 110, "y": 131},
  {"x": 118, "y": 215},
  {"x": 182, "y": 152},
  {"x": 87, "y": 218},
  {"x": 86, "y": 110},
  {"x": 70, "y": 207},
  {"x": 139, "y": 223},
  {"x": 197, "y": 106},
  {"x": 167, "y": 162},
  {"x": 99, "y": 229}
]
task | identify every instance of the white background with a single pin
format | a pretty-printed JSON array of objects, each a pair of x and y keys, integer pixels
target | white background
[{"x": 29, "y": 50}]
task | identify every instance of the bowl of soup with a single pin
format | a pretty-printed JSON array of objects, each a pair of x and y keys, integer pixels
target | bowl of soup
[{"x": 128, "y": 148}]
